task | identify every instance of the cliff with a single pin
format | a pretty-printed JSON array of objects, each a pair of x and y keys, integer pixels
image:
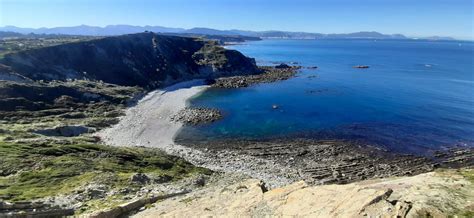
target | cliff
[{"x": 147, "y": 60}]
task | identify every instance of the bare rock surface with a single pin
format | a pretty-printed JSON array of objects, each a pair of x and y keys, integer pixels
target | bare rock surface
[{"x": 392, "y": 197}]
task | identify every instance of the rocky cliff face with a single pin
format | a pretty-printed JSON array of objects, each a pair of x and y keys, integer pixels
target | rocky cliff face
[{"x": 145, "y": 59}]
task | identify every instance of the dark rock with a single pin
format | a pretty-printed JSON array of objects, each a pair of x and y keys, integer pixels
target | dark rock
[
  {"x": 361, "y": 66},
  {"x": 200, "y": 181},
  {"x": 209, "y": 81},
  {"x": 140, "y": 178},
  {"x": 282, "y": 66},
  {"x": 163, "y": 179},
  {"x": 66, "y": 131}
]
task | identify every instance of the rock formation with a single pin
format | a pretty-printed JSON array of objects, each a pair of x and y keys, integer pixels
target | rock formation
[{"x": 147, "y": 60}]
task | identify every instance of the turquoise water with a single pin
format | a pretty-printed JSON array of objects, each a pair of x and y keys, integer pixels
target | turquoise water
[{"x": 416, "y": 95}]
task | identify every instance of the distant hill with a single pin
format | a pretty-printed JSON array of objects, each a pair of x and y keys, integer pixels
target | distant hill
[
  {"x": 208, "y": 31},
  {"x": 128, "y": 29},
  {"x": 439, "y": 38},
  {"x": 92, "y": 30},
  {"x": 374, "y": 35},
  {"x": 4, "y": 34}
]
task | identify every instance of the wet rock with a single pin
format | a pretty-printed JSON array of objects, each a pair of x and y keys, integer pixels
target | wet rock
[
  {"x": 313, "y": 67},
  {"x": 275, "y": 106},
  {"x": 361, "y": 66}
]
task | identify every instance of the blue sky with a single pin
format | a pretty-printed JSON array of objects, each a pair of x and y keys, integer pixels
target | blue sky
[{"x": 411, "y": 17}]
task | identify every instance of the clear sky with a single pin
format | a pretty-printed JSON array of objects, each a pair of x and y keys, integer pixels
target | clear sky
[{"x": 410, "y": 17}]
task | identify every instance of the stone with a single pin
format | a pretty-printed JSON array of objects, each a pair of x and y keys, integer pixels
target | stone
[
  {"x": 140, "y": 178},
  {"x": 282, "y": 66},
  {"x": 162, "y": 179},
  {"x": 66, "y": 131},
  {"x": 200, "y": 181},
  {"x": 361, "y": 66}
]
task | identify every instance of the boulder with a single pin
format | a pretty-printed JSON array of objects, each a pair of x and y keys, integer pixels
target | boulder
[
  {"x": 140, "y": 178},
  {"x": 282, "y": 66}
]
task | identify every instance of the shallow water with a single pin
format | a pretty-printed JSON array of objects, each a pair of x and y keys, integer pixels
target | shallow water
[{"x": 416, "y": 95}]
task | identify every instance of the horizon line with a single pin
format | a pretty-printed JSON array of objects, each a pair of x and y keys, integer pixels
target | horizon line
[{"x": 233, "y": 29}]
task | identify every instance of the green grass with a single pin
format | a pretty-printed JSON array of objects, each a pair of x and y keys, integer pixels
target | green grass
[
  {"x": 34, "y": 166},
  {"x": 31, "y": 171}
]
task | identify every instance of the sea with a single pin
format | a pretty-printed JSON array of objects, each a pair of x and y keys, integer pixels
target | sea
[{"x": 416, "y": 96}]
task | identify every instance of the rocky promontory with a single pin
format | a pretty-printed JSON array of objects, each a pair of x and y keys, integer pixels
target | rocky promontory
[
  {"x": 147, "y": 60},
  {"x": 271, "y": 74}
]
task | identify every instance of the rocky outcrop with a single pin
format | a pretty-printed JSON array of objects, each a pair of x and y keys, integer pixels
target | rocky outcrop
[
  {"x": 195, "y": 116},
  {"x": 32, "y": 209},
  {"x": 128, "y": 207},
  {"x": 417, "y": 196},
  {"x": 148, "y": 60},
  {"x": 271, "y": 74},
  {"x": 66, "y": 131}
]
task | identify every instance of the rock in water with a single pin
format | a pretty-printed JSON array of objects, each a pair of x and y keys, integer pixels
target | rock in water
[
  {"x": 361, "y": 66},
  {"x": 282, "y": 66}
]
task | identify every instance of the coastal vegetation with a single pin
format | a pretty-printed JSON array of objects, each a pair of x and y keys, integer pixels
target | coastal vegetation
[{"x": 39, "y": 165}]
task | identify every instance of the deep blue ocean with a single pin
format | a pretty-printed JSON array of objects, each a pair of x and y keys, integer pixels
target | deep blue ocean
[{"x": 416, "y": 96}]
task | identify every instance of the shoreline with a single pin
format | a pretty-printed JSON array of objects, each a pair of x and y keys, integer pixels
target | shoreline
[
  {"x": 148, "y": 124},
  {"x": 280, "y": 162}
]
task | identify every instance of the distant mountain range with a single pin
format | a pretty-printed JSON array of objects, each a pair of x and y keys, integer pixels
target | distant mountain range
[{"x": 127, "y": 29}]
